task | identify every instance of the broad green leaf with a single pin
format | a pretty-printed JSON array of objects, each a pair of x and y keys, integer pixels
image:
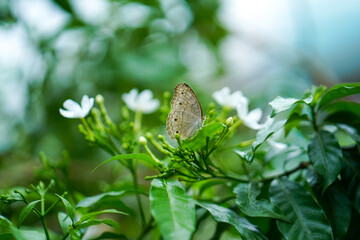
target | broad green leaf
[
  {"x": 68, "y": 207},
  {"x": 20, "y": 234},
  {"x": 26, "y": 210},
  {"x": 199, "y": 140},
  {"x": 338, "y": 91},
  {"x": 91, "y": 201},
  {"x": 246, "y": 194},
  {"x": 261, "y": 137},
  {"x": 64, "y": 221},
  {"x": 307, "y": 218},
  {"x": 93, "y": 214},
  {"x": 280, "y": 104},
  {"x": 294, "y": 122},
  {"x": 172, "y": 208},
  {"x": 352, "y": 132},
  {"x": 138, "y": 156},
  {"x": 222, "y": 214},
  {"x": 93, "y": 222},
  {"x": 343, "y": 106},
  {"x": 325, "y": 155},
  {"x": 5, "y": 228},
  {"x": 334, "y": 202}
]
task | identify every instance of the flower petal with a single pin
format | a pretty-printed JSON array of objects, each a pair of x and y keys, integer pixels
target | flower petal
[
  {"x": 151, "y": 106},
  {"x": 68, "y": 114},
  {"x": 242, "y": 108},
  {"x": 86, "y": 104},
  {"x": 71, "y": 105},
  {"x": 144, "y": 97},
  {"x": 222, "y": 96},
  {"x": 130, "y": 99},
  {"x": 254, "y": 115}
]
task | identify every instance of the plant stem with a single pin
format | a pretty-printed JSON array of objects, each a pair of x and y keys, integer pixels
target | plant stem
[
  {"x": 87, "y": 128},
  {"x": 42, "y": 216},
  {"x": 137, "y": 121},
  {"x": 141, "y": 210},
  {"x": 147, "y": 228}
]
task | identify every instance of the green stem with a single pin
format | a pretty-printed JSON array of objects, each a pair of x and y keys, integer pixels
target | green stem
[
  {"x": 42, "y": 216},
  {"x": 137, "y": 123},
  {"x": 87, "y": 128},
  {"x": 141, "y": 210}
]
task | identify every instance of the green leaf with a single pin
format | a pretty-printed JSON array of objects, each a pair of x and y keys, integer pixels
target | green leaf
[
  {"x": 334, "y": 202},
  {"x": 69, "y": 208},
  {"x": 222, "y": 214},
  {"x": 343, "y": 106},
  {"x": 172, "y": 208},
  {"x": 308, "y": 219},
  {"x": 199, "y": 140},
  {"x": 75, "y": 234},
  {"x": 280, "y": 104},
  {"x": 246, "y": 194},
  {"x": 138, "y": 156},
  {"x": 64, "y": 221},
  {"x": 294, "y": 122},
  {"x": 261, "y": 137},
  {"x": 91, "y": 201},
  {"x": 20, "y": 234},
  {"x": 93, "y": 222},
  {"x": 325, "y": 155},
  {"x": 26, "y": 210},
  {"x": 352, "y": 132},
  {"x": 338, "y": 91},
  {"x": 5, "y": 228},
  {"x": 93, "y": 214}
]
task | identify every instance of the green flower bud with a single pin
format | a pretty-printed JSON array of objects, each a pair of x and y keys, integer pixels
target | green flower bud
[
  {"x": 229, "y": 122},
  {"x": 142, "y": 140}
]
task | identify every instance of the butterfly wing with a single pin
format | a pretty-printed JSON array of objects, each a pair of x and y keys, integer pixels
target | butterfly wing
[{"x": 186, "y": 115}]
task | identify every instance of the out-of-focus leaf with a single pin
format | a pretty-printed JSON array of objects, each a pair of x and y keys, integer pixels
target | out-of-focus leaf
[
  {"x": 280, "y": 104},
  {"x": 222, "y": 214},
  {"x": 325, "y": 155},
  {"x": 352, "y": 132},
  {"x": 246, "y": 194},
  {"x": 343, "y": 106},
  {"x": 261, "y": 137},
  {"x": 172, "y": 208},
  {"x": 5, "y": 228},
  {"x": 334, "y": 202},
  {"x": 199, "y": 140},
  {"x": 93, "y": 200},
  {"x": 20, "y": 234},
  {"x": 294, "y": 121},
  {"x": 338, "y": 91},
  {"x": 88, "y": 216},
  {"x": 68, "y": 207},
  {"x": 138, "y": 156},
  {"x": 26, "y": 210},
  {"x": 93, "y": 222},
  {"x": 75, "y": 234},
  {"x": 307, "y": 218},
  {"x": 64, "y": 221}
]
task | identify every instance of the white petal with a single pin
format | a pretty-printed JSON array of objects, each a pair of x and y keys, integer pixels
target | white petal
[
  {"x": 276, "y": 146},
  {"x": 86, "y": 104},
  {"x": 72, "y": 105},
  {"x": 222, "y": 96},
  {"x": 130, "y": 99},
  {"x": 68, "y": 114},
  {"x": 242, "y": 109},
  {"x": 144, "y": 97},
  {"x": 151, "y": 106},
  {"x": 254, "y": 115}
]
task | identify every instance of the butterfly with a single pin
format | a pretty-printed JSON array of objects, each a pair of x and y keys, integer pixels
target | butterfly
[{"x": 186, "y": 115}]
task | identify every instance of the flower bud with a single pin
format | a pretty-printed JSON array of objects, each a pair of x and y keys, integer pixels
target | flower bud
[
  {"x": 99, "y": 99},
  {"x": 142, "y": 140},
  {"x": 229, "y": 122},
  {"x": 148, "y": 135}
]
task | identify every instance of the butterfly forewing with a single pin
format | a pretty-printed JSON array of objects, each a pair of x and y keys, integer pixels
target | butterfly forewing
[{"x": 186, "y": 115}]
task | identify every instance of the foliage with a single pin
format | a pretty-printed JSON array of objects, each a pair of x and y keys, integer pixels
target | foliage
[{"x": 310, "y": 190}]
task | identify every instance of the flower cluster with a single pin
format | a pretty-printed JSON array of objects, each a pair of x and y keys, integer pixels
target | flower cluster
[{"x": 238, "y": 101}]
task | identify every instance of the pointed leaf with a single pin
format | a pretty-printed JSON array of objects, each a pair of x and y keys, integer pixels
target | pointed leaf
[
  {"x": 338, "y": 91},
  {"x": 199, "y": 140},
  {"x": 246, "y": 194},
  {"x": 110, "y": 235},
  {"x": 64, "y": 221},
  {"x": 222, "y": 214},
  {"x": 335, "y": 203},
  {"x": 93, "y": 214},
  {"x": 68, "y": 207},
  {"x": 172, "y": 208},
  {"x": 26, "y": 210},
  {"x": 93, "y": 222},
  {"x": 325, "y": 155},
  {"x": 280, "y": 104},
  {"x": 308, "y": 219},
  {"x": 138, "y": 156}
]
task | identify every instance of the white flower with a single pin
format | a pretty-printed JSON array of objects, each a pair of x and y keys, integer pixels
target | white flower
[
  {"x": 227, "y": 99},
  {"x": 74, "y": 110},
  {"x": 141, "y": 102},
  {"x": 251, "y": 119}
]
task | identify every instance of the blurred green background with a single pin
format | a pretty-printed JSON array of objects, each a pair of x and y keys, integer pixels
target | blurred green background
[{"x": 54, "y": 50}]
